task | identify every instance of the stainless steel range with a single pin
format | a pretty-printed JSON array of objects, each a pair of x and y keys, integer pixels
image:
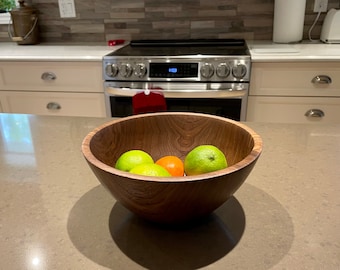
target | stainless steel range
[{"x": 209, "y": 76}]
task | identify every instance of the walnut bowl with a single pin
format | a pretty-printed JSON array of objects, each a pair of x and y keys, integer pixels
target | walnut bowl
[{"x": 175, "y": 199}]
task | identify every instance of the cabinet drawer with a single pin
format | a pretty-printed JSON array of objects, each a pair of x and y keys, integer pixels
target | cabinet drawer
[
  {"x": 51, "y": 76},
  {"x": 292, "y": 109},
  {"x": 295, "y": 79},
  {"x": 44, "y": 103}
]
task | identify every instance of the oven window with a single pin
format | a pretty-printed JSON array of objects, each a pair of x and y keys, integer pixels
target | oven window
[
  {"x": 121, "y": 106},
  {"x": 230, "y": 108}
]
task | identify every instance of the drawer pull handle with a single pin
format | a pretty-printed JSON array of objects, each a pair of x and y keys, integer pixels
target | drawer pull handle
[
  {"x": 315, "y": 113},
  {"x": 48, "y": 76},
  {"x": 322, "y": 79},
  {"x": 53, "y": 106}
]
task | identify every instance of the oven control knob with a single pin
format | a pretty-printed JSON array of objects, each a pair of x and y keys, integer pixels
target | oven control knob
[
  {"x": 239, "y": 71},
  {"x": 111, "y": 70},
  {"x": 207, "y": 70},
  {"x": 125, "y": 70},
  {"x": 140, "y": 70},
  {"x": 223, "y": 70}
]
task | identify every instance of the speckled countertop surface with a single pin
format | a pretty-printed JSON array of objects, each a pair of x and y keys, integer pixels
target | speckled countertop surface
[{"x": 54, "y": 214}]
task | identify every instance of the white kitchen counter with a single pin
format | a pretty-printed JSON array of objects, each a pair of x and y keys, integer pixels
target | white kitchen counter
[
  {"x": 45, "y": 52},
  {"x": 267, "y": 51},
  {"x": 261, "y": 51}
]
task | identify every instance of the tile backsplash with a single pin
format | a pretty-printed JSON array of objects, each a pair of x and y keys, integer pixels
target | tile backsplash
[{"x": 101, "y": 20}]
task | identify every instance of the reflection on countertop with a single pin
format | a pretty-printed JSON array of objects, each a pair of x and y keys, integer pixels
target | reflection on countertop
[
  {"x": 16, "y": 134},
  {"x": 56, "y": 215}
]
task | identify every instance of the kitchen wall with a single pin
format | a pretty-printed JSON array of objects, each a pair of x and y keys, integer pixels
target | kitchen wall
[{"x": 101, "y": 20}]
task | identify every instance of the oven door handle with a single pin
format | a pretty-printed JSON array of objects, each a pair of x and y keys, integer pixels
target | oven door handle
[{"x": 225, "y": 93}]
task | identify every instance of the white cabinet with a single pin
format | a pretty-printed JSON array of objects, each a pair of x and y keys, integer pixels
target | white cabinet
[
  {"x": 295, "y": 92},
  {"x": 293, "y": 109},
  {"x": 52, "y": 88},
  {"x": 53, "y": 103}
]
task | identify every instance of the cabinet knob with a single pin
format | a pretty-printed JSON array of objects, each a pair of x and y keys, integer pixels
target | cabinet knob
[
  {"x": 322, "y": 79},
  {"x": 48, "y": 76},
  {"x": 53, "y": 106},
  {"x": 315, "y": 113}
]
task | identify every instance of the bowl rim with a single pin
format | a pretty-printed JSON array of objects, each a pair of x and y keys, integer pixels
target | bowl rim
[{"x": 251, "y": 157}]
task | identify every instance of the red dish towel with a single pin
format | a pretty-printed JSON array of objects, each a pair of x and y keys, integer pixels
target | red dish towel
[{"x": 148, "y": 101}]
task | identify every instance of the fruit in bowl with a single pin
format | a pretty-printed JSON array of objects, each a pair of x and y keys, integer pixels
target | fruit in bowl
[
  {"x": 174, "y": 199},
  {"x": 204, "y": 159}
]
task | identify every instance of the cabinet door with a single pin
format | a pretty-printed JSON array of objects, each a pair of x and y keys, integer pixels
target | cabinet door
[
  {"x": 293, "y": 109},
  {"x": 51, "y": 76},
  {"x": 320, "y": 79},
  {"x": 50, "y": 103}
]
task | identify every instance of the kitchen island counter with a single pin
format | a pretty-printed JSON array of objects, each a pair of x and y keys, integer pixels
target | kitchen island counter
[{"x": 56, "y": 215}]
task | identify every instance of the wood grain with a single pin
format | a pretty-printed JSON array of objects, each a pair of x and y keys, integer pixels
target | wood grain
[{"x": 176, "y": 199}]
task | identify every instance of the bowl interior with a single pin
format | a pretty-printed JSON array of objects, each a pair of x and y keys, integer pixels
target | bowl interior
[{"x": 162, "y": 134}]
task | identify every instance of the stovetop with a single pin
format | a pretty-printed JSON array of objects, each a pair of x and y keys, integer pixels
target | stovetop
[
  {"x": 183, "y": 47},
  {"x": 199, "y": 60}
]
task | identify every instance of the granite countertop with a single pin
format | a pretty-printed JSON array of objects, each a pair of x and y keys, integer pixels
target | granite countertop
[{"x": 56, "y": 215}]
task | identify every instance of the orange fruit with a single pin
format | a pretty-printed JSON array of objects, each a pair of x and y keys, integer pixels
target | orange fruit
[
  {"x": 204, "y": 159},
  {"x": 174, "y": 165}
]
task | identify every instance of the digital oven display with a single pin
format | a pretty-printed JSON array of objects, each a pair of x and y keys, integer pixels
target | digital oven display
[{"x": 173, "y": 70}]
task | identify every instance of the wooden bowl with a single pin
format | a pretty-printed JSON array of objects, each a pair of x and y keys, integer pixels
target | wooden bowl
[{"x": 175, "y": 199}]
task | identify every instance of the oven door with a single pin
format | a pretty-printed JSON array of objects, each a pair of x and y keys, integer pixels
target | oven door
[{"x": 223, "y": 99}]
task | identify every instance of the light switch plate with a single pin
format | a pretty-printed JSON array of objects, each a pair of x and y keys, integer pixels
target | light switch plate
[{"x": 67, "y": 8}]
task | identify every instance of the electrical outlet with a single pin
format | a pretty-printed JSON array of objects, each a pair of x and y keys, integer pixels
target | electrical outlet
[
  {"x": 320, "y": 5},
  {"x": 67, "y": 8}
]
